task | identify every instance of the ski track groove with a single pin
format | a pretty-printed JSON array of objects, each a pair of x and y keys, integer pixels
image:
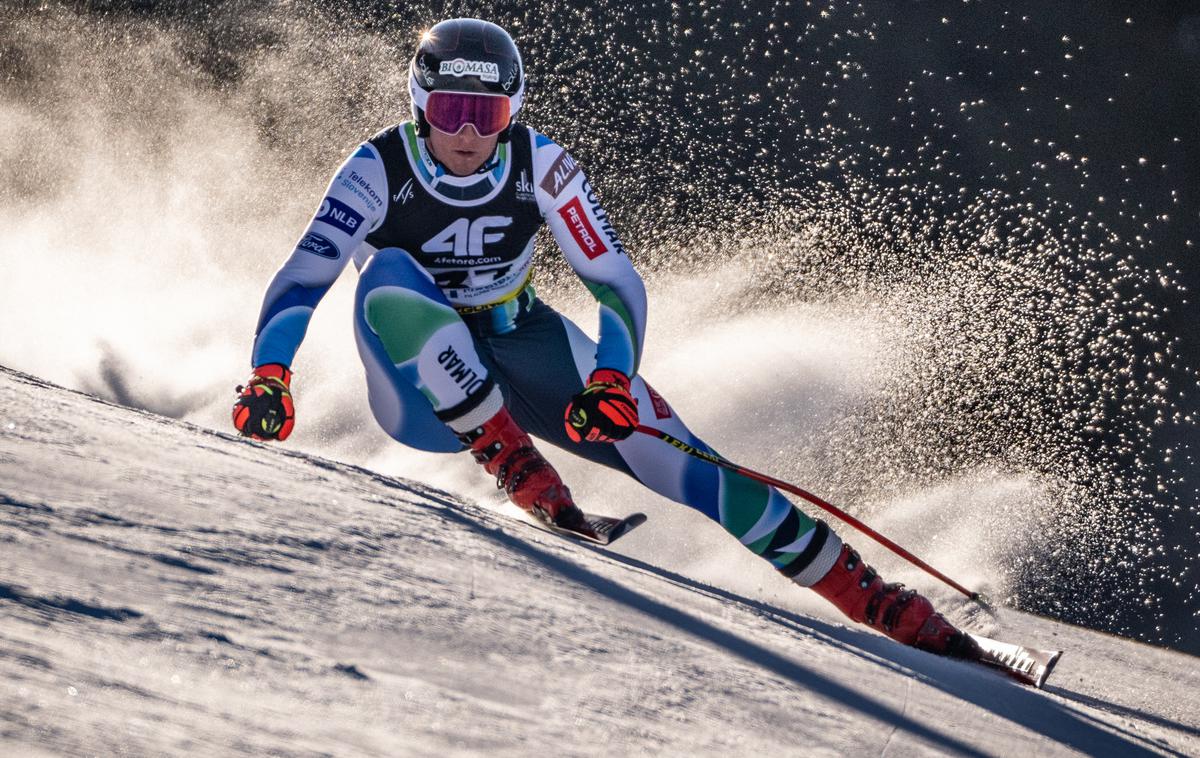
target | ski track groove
[{"x": 903, "y": 712}]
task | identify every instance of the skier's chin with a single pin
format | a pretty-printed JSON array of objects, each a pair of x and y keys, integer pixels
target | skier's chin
[
  {"x": 462, "y": 154},
  {"x": 464, "y": 162}
]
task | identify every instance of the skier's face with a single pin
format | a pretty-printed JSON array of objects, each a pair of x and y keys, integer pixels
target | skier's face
[{"x": 462, "y": 153}]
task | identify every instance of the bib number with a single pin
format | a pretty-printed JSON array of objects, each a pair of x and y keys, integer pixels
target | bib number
[{"x": 465, "y": 238}]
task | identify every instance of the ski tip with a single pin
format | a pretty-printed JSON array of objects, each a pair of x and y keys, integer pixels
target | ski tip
[
  {"x": 1028, "y": 665},
  {"x": 604, "y": 529},
  {"x": 609, "y": 529},
  {"x": 1047, "y": 667}
]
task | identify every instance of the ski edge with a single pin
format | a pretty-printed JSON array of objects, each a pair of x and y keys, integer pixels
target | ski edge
[{"x": 1027, "y": 665}]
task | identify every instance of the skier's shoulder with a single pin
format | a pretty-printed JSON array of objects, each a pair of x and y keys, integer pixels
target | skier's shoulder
[
  {"x": 372, "y": 152},
  {"x": 361, "y": 180},
  {"x": 554, "y": 168},
  {"x": 389, "y": 141},
  {"x": 545, "y": 149}
]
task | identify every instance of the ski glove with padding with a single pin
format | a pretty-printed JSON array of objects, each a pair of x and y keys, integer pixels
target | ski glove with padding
[
  {"x": 604, "y": 411},
  {"x": 264, "y": 409}
]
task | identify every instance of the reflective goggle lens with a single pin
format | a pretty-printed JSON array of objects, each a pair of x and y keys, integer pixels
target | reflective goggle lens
[{"x": 450, "y": 111}]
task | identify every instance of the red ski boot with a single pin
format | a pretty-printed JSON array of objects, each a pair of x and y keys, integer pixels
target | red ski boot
[
  {"x": 507, "y": 453},
  {"x": 904, "y": 615}
]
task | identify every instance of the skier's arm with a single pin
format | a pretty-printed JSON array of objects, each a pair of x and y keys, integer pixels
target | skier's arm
[
  {"x": 352, "y": 206},
  {"x": 591, "y": 245}
]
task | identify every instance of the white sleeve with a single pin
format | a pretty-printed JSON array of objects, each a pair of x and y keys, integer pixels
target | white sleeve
[
  {"x": 582, "y": 229},
  {"x": 353, "y": 205}
]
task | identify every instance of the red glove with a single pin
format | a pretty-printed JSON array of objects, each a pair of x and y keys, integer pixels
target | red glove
[
  {"x": 264, "y": 410},
  {"x": 604, "y": 411}
]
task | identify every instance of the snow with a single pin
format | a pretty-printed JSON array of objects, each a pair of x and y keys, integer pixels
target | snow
[{"x": 165, "y": 588}]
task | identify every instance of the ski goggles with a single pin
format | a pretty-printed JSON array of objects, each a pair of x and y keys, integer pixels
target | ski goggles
[{"x": 449, "y": 112}]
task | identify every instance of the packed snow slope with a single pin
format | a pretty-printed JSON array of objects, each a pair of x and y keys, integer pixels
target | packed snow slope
[{"x": 169, "y": 589}]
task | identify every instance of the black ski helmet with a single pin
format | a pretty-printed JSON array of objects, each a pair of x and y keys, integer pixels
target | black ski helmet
[{"x": 466, "y": 55}]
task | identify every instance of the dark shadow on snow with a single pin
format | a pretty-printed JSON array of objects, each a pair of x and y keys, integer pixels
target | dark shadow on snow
[
  {"x": 54, "y": 606},
  {"x": 979, "y": 686},
  {"x": 116, "y": 382},
  {"x": 1122, "y": 710},
  {"x": 938, "y": 672},
  {"x": 696, "y": 627},
  {"x": 984, "y": 689}
]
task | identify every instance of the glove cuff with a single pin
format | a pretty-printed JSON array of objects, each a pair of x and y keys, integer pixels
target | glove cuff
[
  {"x": 273, "y": 371},
  {"x": 609, "y": 376}
]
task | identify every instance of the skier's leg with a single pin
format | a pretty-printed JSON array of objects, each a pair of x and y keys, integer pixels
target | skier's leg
[
  {"x": 421, "y": 363},
  {"x": 429, "y": 389},
  {"x": 545, "y": 363},
  {"x": 536, "y": 368}
]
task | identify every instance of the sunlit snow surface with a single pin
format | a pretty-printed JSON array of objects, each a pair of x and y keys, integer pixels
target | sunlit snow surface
[
  {"x": 171, "y": 590},
  {"x": 888, "y": 258}
]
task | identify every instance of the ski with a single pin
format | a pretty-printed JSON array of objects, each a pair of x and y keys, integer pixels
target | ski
[
  {"x": 1027, "y": 665},
  {"x": 608, "y": 529}
]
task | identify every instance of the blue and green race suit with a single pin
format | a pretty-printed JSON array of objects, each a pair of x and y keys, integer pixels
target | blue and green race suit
[{"x": 449, "y": 327}]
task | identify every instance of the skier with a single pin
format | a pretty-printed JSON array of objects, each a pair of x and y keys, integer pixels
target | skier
[{"x": 439, "y": 215}]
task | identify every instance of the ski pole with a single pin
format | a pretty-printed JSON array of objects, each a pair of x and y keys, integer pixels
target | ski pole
[{"x": 829, "y": 507}]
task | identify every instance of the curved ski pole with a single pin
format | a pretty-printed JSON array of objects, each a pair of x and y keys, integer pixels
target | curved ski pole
[{"x": 718, "y": 460}]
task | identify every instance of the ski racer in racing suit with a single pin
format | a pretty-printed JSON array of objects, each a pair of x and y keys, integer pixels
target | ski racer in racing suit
[{"x": 439, "y": 216}]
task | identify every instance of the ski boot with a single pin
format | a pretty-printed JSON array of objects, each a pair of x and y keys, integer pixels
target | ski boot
[
  {"x": 904, "y": 615},
  {"x": 507, "y": 453}
]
